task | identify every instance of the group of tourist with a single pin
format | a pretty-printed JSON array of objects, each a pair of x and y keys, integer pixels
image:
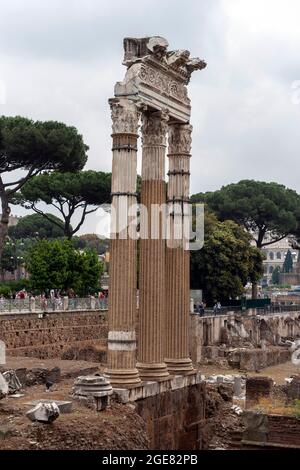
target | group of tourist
[
  {"x": 53, "y": 299},
  {"x": 200, "y": 308}
]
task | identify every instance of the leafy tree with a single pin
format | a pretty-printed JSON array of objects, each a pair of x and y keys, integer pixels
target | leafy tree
[
  {"x": 8, "y": 259},
  {"x": 227, "y": 261},
  {"x": 13, "y": 254},
  {"x": 28, "y": 148},
  {"x": 276, "y": 276},
  {"x": 67, "y": 193},
  {"x": 262, "y": 208},
  {"x": 91, "y": 241},
  {"x": 57, "y": 264},
  {"x": 288, "y": 263},
  {"x": 37, "y": 226}
]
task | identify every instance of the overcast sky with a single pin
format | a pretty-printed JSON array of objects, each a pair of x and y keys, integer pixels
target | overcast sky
[{"x": 60, "y": 59}]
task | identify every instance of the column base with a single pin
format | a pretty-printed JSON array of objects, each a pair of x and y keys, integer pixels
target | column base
[
  {"x": 123, "y": 378},
  {"x": 153, "y": 372},
  {"x": 179, "y": 366}
]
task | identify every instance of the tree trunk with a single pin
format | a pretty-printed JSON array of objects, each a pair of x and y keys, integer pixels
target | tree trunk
[
  {"x": 259, "y": 242},
  {"x": 254, "y": 290},
  {"x": 68, "y": 230},
  {"x": 4, "y": 216}
]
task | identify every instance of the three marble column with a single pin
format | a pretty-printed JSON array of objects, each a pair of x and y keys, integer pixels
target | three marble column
[{"x": 163, "y": 315}]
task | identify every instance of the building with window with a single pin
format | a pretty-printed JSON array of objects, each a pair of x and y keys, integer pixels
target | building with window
[{"x": 275, "y": 255}]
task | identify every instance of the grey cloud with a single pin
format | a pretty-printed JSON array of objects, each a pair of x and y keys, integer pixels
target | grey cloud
[{"x": 60, "y": 60}]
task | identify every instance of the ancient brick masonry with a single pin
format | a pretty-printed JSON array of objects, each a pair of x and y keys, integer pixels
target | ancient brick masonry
[
  {"x": 270, "y": 431},
  {"x": 175, "y": 419},
  {"x": 54, "y": 335},
  {"x": 257, "y": 388}
]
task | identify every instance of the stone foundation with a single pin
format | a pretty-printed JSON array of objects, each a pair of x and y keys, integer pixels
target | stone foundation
[{"x": 174, "y": 411}]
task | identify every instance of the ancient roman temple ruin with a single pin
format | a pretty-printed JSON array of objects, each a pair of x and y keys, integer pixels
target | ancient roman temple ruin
[{"x": 153, "y": 93}]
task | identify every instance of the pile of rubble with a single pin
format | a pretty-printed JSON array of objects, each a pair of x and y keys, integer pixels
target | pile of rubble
[
  {"x": 9, "y": 384},
  {"x": 91, "y": 391}
]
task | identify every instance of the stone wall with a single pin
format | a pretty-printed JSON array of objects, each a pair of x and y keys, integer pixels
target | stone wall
[
  {"x": 83, "y": 335},
  {"x": 207, "y": 334},
  {"x": 173, "y": 410},
  {"x": 271, "y": 431},
  {"x": 69, "y": 335}
]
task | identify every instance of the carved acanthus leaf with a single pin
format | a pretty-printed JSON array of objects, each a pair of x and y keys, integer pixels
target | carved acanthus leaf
[
  {"x": 125, "y": 116},
  {"x": 154, "y": 128},
  {"x": 180, "y": 139}
]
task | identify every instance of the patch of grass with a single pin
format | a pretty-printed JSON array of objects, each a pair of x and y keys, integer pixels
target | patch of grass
[{"x": 279, "y": 407}]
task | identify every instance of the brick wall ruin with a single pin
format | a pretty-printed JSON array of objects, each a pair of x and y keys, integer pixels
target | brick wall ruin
[
  {"x": 175, "y": 416},
  {"x": 256, "y": 341},
  {"x": 68, "y": 335},
  {"x": 83, "y": 335},
  {"x": 271, "y": 431}
]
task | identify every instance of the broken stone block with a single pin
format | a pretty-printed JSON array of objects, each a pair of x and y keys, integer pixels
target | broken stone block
[
  {"x": 256, "y": 426},
  {"x": 44, "y": 412},
  {"x": 63, "y": 406},
  {"x": 93, "y": 391},
  {"x": 3, "y": 387},
  {"x": 237, "y": 385},
  {"x": 14, "y": 384}
]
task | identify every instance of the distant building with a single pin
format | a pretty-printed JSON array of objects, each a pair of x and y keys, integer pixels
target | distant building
[
  {"x": 275, "y": 255},
  {"x": 13, "y": 220}
]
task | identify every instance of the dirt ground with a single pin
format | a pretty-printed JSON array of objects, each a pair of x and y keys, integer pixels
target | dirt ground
[
  {"x": 116, "y": 428},
  {"x": 82, "y": 429}
]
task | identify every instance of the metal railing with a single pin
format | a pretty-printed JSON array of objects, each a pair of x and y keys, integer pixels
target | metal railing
[
  {"x": 38, "y": 304},
  {"x": 266, "y": 310}
]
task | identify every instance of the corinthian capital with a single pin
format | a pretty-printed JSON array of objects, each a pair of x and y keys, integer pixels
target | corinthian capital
[
  {"x": 154, "y": 128},
  {"x": 180, "y": 138},
  {"x": 125, "y": 116}
]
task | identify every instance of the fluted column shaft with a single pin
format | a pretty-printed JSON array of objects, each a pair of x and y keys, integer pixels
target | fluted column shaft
[
  {"x": 121, "y": 369},
  {"x": 177, "y": 254},
  {"x": 151, "y": 363}
]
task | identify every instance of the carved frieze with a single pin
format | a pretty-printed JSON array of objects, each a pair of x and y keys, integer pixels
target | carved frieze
[{"x": 163, "y": 83}]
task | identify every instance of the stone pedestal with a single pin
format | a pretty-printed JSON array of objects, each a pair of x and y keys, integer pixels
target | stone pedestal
[
  {"x": 93, "y": 391},
  {"x": 152, "y": 331},
  {"x": 121, "y": 369},
  {"x": 177, "y": 255}
]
